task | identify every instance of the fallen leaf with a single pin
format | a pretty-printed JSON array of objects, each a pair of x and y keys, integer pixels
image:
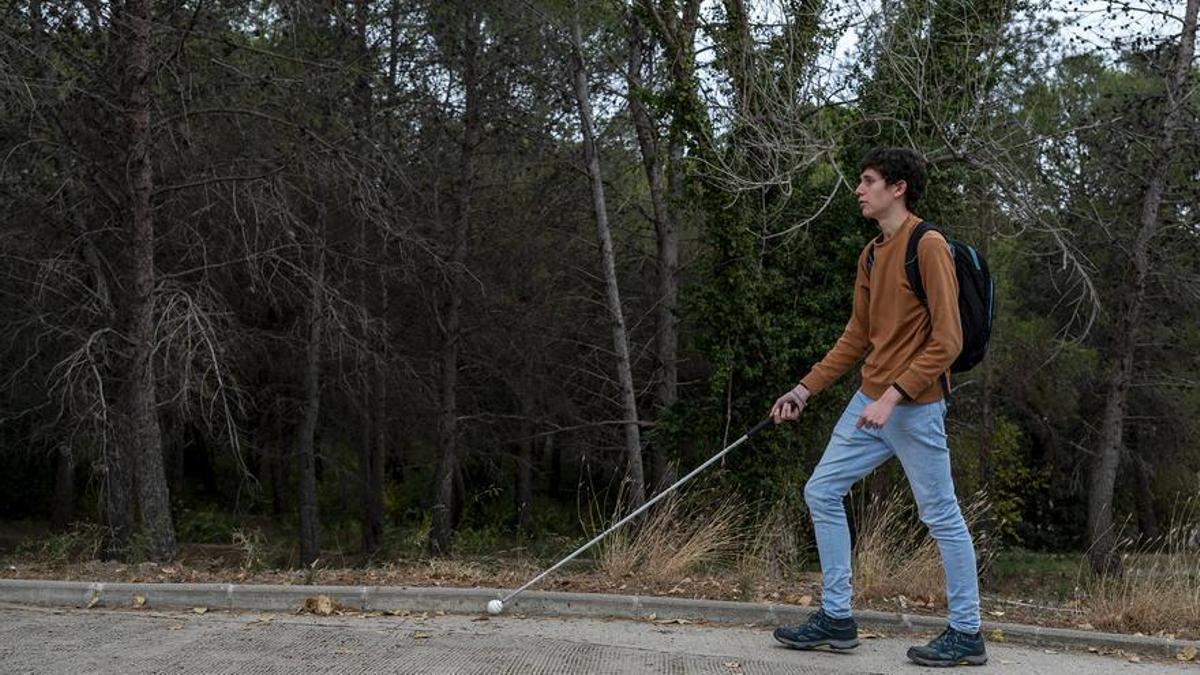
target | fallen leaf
[
  {"x": 652, "y": 617},
  {"x": 996, "y": 612},
  {"x": 805, "y": 600},
  {"x": 1085, "y": 626},
  {"x": 678, "y": 621},
  {"x": 996, "y": 635},
  {"x": 139, "y": 601},
  {"x": 1093, "y": 650},
  {"x": 1135, "y": 659},
  {"x": 422, "y": 636},
  {"x": 177, "y": 626},
  {"x": 200, "y": 610},
  {"x": 93, "y": 602},
  {"x": 1187, "y": 654},
  {"x": 322, "y": 604},
  {"x": 439, "y": 613},
  {"x": 1050, "y": 651}
]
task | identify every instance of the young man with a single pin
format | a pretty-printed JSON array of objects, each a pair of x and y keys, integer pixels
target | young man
[{"x": 899, "y": 411}]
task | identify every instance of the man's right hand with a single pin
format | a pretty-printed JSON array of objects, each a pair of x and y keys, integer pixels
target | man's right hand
[{"x": 788, "y": 407}]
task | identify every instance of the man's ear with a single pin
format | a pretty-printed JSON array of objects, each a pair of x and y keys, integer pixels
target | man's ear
[{"x": 902, "y": 186}]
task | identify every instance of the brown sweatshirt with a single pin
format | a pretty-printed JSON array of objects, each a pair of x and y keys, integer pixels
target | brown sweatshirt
[{"x": 909, "y": 346}]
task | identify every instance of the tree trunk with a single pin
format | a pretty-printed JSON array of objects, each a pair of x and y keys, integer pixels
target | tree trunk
[
  {"x": 1147, "y": 518},
  {"x": 444, "y": 506},
  {"x": 280, "y": 459},
  {"x": 377, "y": 466},
  {"x": 153, "y": 498},
  {"x": 310, "y": 525},
  {"x": 553, "y": 456},
  {"x": 666, "y": 336},
  {"x": 688, "y": 118},
  {"x": 371, "y": 456},
  {"x": 368, "y": 539},
  {"x": 525, "y": 465},
  {"x": 64, "y": 489},
  {"x": 1102, "y": 550},
  {"x": 739, "y": 57},
  {"x": 372, "y": 383},
  {"x": 687, "y": 115},
  {"x": 377, "y": 456},
  {"x": 988, "y": 432},
  {"x": 633, "y": 448},
  {"x": 118, "y": 498}
]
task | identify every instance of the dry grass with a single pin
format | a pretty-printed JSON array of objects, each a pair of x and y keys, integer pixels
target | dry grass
[
  {"x": 894, "y": 554},
  {"x": 1160, "y": 590},
  {"x": 672, "y": 540},
  {"x": 777, "y": 550},
  {"x": 81, "y": 543}
]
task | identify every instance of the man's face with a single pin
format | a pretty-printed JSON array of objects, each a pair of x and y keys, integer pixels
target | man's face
[{"x": 875, "y": 196}]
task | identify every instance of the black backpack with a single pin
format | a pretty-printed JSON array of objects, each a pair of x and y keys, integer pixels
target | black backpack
[{"x": 976, "y": 293}]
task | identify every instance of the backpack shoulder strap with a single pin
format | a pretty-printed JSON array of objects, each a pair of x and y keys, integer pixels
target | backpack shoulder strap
[{"x": 911, "y": 267}]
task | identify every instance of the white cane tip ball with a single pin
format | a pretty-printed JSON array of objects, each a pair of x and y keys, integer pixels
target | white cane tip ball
[{"x": 495, "y": 607}]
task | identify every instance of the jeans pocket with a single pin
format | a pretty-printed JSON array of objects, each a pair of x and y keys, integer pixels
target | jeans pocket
[{"x": 937, "y": 420}]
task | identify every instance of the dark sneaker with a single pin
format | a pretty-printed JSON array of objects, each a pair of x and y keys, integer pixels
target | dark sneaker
[
  {"x": 951, "y": 648},
  {"x": 820, "y": 631}
]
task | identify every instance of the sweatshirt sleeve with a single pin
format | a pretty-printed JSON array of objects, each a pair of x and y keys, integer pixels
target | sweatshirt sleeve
[
  {"x": 945, "y": 337},
  {"x": 854, "y": 341}
]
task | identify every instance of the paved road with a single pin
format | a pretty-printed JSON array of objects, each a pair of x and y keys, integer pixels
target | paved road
[{"x": 146, "y": 641}]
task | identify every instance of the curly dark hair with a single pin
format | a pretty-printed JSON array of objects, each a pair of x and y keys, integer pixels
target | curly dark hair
[{"x": 899, "y": 164}]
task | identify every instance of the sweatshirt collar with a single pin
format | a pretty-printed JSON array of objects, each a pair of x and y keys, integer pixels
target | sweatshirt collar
[{"x": 902, "y": 233}]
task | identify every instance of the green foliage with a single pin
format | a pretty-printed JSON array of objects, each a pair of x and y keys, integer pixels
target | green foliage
[
  {"x": 761, "y": 314},
  {"x": 82, "y": 542},
  {"x": 1010, "y": 478},
  {"x": 205, "y": 524}
]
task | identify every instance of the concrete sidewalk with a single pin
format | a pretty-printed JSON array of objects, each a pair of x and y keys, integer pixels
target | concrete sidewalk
[
  {"x": 69, "y": 641},
  {"x": 471, "y": 601}
]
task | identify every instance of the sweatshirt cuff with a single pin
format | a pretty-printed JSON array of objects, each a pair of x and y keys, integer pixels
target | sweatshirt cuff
[
  {"x": 903, "y": 394},
  {"x": 807, "y": 381},
  {"x": 910, "y": 384}
]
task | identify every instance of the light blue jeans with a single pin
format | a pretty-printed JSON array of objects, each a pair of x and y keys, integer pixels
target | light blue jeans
[{"x": 917, "y": 435}]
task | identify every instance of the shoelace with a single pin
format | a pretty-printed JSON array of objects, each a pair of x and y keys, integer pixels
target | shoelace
[
  {"x": 948, "y": 638},
  {"x": 821, "y": 620}
]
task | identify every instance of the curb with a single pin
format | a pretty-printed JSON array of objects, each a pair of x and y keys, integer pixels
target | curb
[{"x": 536, "y": 603}]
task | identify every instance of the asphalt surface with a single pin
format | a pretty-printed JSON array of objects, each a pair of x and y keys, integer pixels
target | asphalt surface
[{"x": 100, "y": 640}]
